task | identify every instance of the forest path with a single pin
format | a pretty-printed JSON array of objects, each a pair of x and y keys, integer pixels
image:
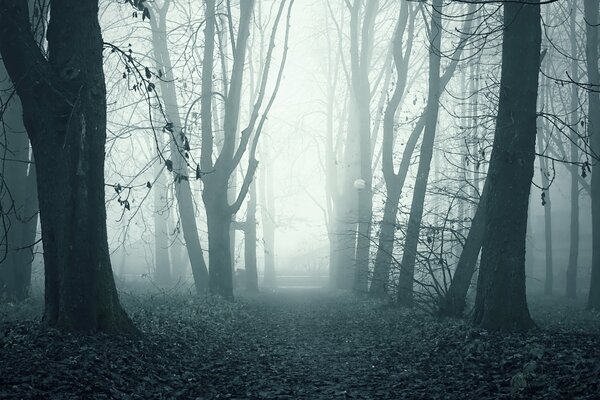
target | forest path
[{"x": 297, "y": 344}]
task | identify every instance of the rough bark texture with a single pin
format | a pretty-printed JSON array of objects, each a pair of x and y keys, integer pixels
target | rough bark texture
[
  {"x": 592, "y": 20},
  {"x": 501, "y": 302},
  {"x": 64, "y": 111}
]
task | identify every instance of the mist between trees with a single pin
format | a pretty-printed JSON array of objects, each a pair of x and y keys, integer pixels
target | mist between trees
[{"x": 437, "y": 155}]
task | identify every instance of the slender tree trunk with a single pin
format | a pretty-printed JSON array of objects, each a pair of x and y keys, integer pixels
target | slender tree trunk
[
  {"x": 267, "y": 214},
  {"x": 394, "y": 182},
  {"x": 183, "y": 192},
  {"x": 162, "y": 266},
  {"x": 80, "y": 292},
  {"x": 592, "y": 42},
  {"x": 453, "y": 303},
  {"x": 360, "y": 54},
  {"x": 250, "y": 242},
  {"x": 571, "y": 281},
  {"x": 407, "y": 265},
  {"x": 547, "y": 203},
  {"x": 501, "y": 301}
]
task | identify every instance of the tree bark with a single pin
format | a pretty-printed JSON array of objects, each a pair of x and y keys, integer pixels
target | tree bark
[
  {"x": 64, "y": 111},
  {"x": 18, "y": 192},
  {"x": 501, "y": 302},
  {"x": 591, "y": 50}
]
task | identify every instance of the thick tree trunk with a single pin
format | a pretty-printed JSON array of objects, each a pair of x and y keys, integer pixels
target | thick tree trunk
[
  {"x": 67, "y": 130},
  {"x": 219, "y": 225},
  {"x": 18, "y": 193},
  {"x": 407, "y": 265},
  {"x": 501, "y": 302},
  {"x": 13, "y": 189},
  {"x": 592, "y": 43}
]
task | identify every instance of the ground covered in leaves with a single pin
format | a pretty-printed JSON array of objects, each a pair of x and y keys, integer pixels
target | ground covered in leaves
[{"x": 299, "y": 344}]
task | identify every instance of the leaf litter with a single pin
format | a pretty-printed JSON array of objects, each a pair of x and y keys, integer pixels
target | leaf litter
[{"x": 299, "y": 344}]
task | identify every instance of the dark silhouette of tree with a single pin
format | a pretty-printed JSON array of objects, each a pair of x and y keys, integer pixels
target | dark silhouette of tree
[
  {"x": 18, "y": 193},
  {"x": 501, "y": 302},
  {"x": 64, "y": 111},
  {"x": 592, "y": 22}
]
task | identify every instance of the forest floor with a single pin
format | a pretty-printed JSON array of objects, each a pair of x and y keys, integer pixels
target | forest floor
[{"x": 299, "y": 344}]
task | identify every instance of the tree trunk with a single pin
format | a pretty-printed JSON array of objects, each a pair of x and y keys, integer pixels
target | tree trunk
[
  {"x": 385, "y": 247},
  {"x": 219, "y": 225},
  {"x": 67, "y": 132},
  {"x": 250, "y": 242},
  {"x": 18, "y": 193},
  {"x": 183, "y": 192},
  {"x": 267, "y": 214},
  {"x": 407, "y": 265},
  {"x": 162, "y": 265},
  {"x": 547, "y": 204},
  {"x": 591, "y": 50},
  {"x": 571, "y": 281},
  {"x": 453, "y": 303},
  {"x": 393, "y": 182},
  {"x": 360, "y": 55},
  {"x": 501, "y": 301}
]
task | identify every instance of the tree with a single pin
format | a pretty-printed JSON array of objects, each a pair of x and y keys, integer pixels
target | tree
[
  {"x": 429, "y": 119},
  {"x": 361, "y": 48},
  {"x": 18, "y": 194},
  {"x": 571, "y": 281},
  {"x": 394, "y": 182},
  {"x": 501, "y": 302},
  {"x": 179, "y": 146},
  {"x": 217, "y": 169},
  {"x": 64, "y": 111},
  {"x": 592, "y": 21}
]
